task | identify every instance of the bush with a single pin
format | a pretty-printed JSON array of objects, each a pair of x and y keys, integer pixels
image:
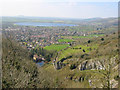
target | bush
[
  {"x": 102, "y": 39},
  {"x": 82, "y": 56},
  {"x": 72, "y": 66},
  {"x": 83, "y": 50},
  {"x": 116, "y": 77},
  {"x": 18, "y": 67},
  {"x": 89, "y": 41}
]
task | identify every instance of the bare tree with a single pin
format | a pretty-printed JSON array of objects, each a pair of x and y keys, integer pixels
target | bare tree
[{"x": 106, "y": 80}]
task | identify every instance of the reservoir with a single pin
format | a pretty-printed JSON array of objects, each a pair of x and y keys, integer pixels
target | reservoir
[
  {"x": 43, "y": 24},
  {"x": 40, "y": 63}
]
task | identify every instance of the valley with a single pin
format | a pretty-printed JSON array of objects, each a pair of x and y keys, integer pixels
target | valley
[{"x": 82, "y": 56}]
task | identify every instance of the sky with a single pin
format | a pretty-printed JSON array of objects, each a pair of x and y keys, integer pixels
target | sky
[{"x": 60, "y": 8}]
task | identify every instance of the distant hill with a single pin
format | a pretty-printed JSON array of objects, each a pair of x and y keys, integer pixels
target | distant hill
[{"x": 55, "y": 19}]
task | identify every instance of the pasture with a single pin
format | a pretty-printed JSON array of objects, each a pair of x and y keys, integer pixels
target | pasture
[{"x": 56, "y": 47}]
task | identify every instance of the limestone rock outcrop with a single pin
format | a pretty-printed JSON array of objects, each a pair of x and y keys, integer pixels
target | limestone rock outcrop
[{"x": 93, "y": 64}]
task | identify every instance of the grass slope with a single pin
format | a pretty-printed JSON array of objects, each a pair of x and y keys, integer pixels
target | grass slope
[
  {"x": 65, "y": 40},
  {"x": 89, "y": 36},
  {"x": 56, "y": 47}
]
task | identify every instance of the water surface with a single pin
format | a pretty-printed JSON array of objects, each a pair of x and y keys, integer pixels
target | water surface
[
  {"x": 40, "y": 63},
  {"x": 43, "y": 24}
]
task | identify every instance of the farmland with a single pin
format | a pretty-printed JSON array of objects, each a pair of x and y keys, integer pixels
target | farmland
[
  {"x": 56, "y": 47},
  {"x": 65, "y": 40},
  {"x": 88, "y": 36},
  {"x": 79, "y": 49}
]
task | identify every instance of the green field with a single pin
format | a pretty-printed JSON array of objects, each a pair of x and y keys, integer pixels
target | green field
[
  {"x": 86, "y": 48},
  {"x": 81, "y": 37},
  {"x": 65, "y": 40},
  {"x": 76, "y": 50},
  {"x": 73, "y": 37},
  {"x": 96, "y": 35},
  {"x": 89, "y": 36},
  {"x": 56, "y": 47},
  {"x": 67, "y": 53}
]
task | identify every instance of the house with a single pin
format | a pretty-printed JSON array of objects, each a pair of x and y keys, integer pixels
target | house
[
  {"x": 35, "y": 57},
  {"x": 43, "y": 58}
]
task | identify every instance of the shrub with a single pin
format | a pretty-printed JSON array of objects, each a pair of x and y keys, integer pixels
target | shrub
[
  {"x": 116, "y": 77},
  {"x": 72, "y": 66},
  {"x": 102, "y": 39},
  {"x": 82, "y": 56},
  {"x": 89, "y": 41},
  {"x": 18, "y": 67},
  {"x": 83, "y": 50}
]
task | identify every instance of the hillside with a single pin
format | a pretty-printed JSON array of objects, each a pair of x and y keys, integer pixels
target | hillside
[
  {"x": 18, "y": 69},
  {"x": 84, "y": 56},
  {"x": 96, "y": 67},
  {"x": 73, "y": 70}
]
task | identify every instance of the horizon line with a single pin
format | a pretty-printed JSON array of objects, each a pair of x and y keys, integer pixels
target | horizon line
[{"x": 60, "y": 17}]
